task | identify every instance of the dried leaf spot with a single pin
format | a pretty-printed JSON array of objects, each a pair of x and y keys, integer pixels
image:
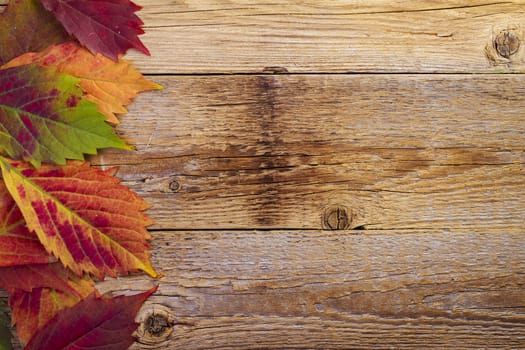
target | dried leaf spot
[
  {"x": 49, "y": 60},
  {"x": 72, "y": 101},
  {"x": 21, "y": 190}
]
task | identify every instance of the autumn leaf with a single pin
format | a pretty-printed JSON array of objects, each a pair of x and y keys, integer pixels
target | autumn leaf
[
  {"x": 111, "y": 85},
  {"x": 18, "y": 246},
  {"x": 5, "y": 332},
  {"x": 106, "y": 323},
  {"x": 43, "y": 117},
  {"x": 83, "y": 216},
  {"x": 25, "y": 26},
  {"x": 109, "y": 27},
  {"x": 37, "y": 292},
  {"x": 26, "y": 269},
  {"x": 31, "y": 310},
  {"x": 28, "y": 277}
]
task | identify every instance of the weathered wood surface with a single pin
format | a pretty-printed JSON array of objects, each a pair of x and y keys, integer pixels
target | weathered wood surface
[
  {"x": 195, "y": 36},
  {"x": 413, "y": 289},
  {"x": 244, "y": 170},
  {"x": 277, "y": 151}
]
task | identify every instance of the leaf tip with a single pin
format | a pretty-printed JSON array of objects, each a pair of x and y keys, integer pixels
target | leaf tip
[{"x": 150, "y": 270}]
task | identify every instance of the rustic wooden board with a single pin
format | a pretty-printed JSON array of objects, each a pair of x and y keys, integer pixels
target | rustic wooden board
[
  {"x": 243, "y": 36},
  {"x": 397, "y": 151},
  {"x": 407, "y": 289},
  {"x": 244, "y": 170},
  {"x": 195, "y": 36}
]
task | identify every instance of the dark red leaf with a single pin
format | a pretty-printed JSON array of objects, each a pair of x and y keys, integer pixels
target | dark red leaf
[
  {"x": 94, "y": 323},
  {"x": 109, "y": 27},
  {"x": 38, "y": 292},
  {"x": 32, "y": 310}
]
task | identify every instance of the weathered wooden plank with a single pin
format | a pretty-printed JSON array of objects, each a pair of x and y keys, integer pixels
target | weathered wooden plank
[
  {"x": 397, "y": 151},
  {"x": 332, "y": 36},
  {"x": 195, "y": 36},
  {"x": 412, "y": 289}
]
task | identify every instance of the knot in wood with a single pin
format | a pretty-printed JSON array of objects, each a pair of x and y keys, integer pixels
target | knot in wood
[
  {"x": 174, "y": 186},
  {"x": 336, "y": 218},
  {"x": 507, "y": 43},
  {"x": 156, "y": 325}
]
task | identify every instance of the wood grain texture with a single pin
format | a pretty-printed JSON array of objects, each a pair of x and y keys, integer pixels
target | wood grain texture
[
  {"x": 398, "y": 151},
  {"x": 243, "y": 36},
  {"x": 243, "y": 171},
  {"x": 407, "y": 289},
  {"x": 195, "y": 36}
]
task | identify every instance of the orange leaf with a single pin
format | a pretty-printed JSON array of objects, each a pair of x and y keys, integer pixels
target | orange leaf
[
  {"x": 111, "y": 85},
  {"x": 82, "y": 216}
]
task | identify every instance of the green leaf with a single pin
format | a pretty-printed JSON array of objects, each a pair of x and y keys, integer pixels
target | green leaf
[{"x": 44, "y": 117}]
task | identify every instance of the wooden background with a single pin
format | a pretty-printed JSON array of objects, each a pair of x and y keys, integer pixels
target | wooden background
[{"x": 336, "y": 174}]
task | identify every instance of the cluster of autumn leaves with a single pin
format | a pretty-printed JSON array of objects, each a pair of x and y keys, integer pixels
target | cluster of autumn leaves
[{"x": 63, "y": 223}]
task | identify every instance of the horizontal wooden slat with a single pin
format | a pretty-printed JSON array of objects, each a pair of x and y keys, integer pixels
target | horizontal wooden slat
[
  {"x": 397, "y": 151},
  {"x": 197, "y": 36},
  {"x": 330, "y": 36},
  {"x": 456, "y": 289}
]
